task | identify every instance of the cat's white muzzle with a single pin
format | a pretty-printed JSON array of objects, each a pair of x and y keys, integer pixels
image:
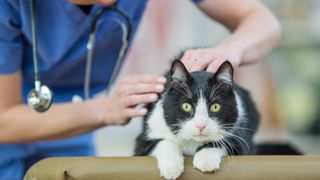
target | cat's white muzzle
[{"x": 210, "y": 131}]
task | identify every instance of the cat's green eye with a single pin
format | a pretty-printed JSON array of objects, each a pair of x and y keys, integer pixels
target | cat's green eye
[
  {"x": 215, "y": 107},
  {"x": 186, "y": 107}
]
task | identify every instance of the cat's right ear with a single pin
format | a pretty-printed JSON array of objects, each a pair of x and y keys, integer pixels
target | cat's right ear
[
  {"x": 225, "y": 73},
  {"x": 178, "y": 71}
]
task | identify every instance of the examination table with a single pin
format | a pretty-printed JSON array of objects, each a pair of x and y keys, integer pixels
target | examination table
[{"x": 145, "y": 168}]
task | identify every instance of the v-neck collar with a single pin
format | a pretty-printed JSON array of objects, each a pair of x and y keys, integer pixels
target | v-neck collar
[
  {"x": 85, "y": 8},
  {"x": 76, "y": 14}
]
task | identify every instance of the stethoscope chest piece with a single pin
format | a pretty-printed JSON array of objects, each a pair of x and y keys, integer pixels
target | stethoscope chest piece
[{"x": 40, "y": 99}]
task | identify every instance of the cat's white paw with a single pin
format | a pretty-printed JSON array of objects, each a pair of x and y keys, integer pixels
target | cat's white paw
[
  {"x": 207, "y": 160},
  {"x": 171, "y": 169}
]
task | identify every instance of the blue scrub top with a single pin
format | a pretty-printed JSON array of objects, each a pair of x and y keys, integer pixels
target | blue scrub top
[{"x": 62, "y": 34}]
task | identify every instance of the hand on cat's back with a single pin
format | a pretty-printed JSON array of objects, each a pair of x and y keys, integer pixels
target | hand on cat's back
[{"x": 210, "y": 59}]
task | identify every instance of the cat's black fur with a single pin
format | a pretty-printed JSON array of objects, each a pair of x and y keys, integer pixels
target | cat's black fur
[{"x": 172, "y": 97}]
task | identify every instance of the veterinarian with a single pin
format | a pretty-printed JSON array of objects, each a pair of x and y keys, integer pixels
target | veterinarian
[{"x": 27, "y": 136}]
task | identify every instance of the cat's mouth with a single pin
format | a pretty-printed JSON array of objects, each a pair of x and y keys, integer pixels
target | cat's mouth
[
  {"x": 207, "y": 137},
  {"x": 200, "y": 137}
]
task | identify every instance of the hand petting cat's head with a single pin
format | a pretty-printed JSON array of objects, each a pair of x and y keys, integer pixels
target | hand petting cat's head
[{"x": 200, "y": 106}]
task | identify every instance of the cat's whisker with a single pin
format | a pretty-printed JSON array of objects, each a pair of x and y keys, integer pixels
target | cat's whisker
[
  {"x": 238, "y": 138},
  {"x": 228, "y": 123},
  {"x": 219, "y": 96},
  {"x": 220, "y": 143},
  {"x": 182, "y": 92},
  {"x": 238, "y": 128},
  {"x": 232, "y": 127},
  {"x": 232, "y": 146},
  {"x": 187, "y": 88},
  {"x": 213, "y": 91},
  {"x": 228, "y": 150}
]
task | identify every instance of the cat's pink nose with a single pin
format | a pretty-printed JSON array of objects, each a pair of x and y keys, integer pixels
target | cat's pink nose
[{"x": 201, "y": 127}]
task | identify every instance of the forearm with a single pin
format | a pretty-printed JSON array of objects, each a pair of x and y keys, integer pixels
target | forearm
[
  {"x": 254, "y": 30},
  {"x": 20, "y": 123},
  {"x": 256, "y": 35}
]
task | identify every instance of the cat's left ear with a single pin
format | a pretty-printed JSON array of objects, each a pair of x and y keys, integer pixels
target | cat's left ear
[
  {"x": 178, "y": 71},
  {"x": 225, "y": 73}
]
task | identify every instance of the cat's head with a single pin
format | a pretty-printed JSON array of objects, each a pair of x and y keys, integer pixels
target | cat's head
[{"x": 200, "y": 106}]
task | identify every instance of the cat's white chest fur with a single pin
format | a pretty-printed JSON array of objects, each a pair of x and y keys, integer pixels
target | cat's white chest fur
[
  {"x": 189, "y": 147},
  {"x": 158, "y": 128}
]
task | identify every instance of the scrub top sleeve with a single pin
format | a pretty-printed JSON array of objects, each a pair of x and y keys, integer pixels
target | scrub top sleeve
[{"x": 11, "y": 47}]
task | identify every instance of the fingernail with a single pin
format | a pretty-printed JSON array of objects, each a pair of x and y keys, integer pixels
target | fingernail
[
  {"x": 153, "y": 97},
  {"x": 162, "y": 80},
  {"x": 159, "y": 87},
  {"x": 143, "y": 111}
]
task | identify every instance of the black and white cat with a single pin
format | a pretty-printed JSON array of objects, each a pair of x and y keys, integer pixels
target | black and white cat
[{"x": 201, "y": 114}]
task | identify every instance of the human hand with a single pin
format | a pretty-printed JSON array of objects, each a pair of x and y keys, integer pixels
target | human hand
[
  {"x": 133, "y": 90},
  {"x": 210, "y": 59},
  {"x": 88, "y": 2}
]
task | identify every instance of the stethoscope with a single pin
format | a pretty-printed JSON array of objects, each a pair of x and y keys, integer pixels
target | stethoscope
[{"x": 40, "y": 98}]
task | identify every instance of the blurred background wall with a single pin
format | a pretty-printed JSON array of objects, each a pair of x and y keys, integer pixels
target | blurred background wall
[{"x": 285, "y": 86}]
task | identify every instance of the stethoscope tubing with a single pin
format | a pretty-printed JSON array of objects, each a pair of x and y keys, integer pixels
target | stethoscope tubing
[
  {"x": 126, "y": 32},
  {"x": 113, "y": 8},
  {"x": 40, "y": 101}
]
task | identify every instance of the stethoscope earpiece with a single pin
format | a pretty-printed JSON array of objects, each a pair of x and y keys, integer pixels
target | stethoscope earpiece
[{"x": 40, "y": 98}]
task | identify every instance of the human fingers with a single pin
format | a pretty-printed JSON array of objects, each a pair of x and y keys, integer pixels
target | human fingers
[
  {"x": 198, "y": 59},
  {"x": 140, "y": 88},
  {"x": 135, "y": 112},
  {"x": 186, "y": 58},
  {"x": 201, "y": 59},
  {"x": 214, "y": 65},
  {"x": 134, "y": 100},
  {"x": 132, "y": 79}
]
